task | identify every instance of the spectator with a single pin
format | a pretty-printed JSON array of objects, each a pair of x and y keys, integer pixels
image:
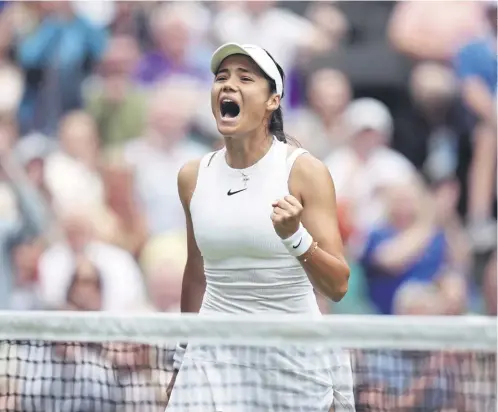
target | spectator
[
  {"x": 130, "y": 20},
  {"x": 409, "y": 246},
  {"x": 433, "y": 89},
  {"x": 23, "y": 216},
  {"x": 121, "y": 278},
  {"x": 100, "y": 12},
  {"x": 445, "y": 193},
  {"x": 476, "y": 64},
  {"x": 330, "y": 20},
  {"x": 72, "y": 173},
  {"x": 432, "y": 30},
  {"x": 435, "y": 136},
  {"x": 116, "y": 104},
  {"x": 25, "y": 261},
  {"x": 122, "y": 222},
  {"x": 128, "y": 361},
  {"x": 90, "y": 373},
  {"x": 280, "y": 31},
  {"x": 31, "y": 152},
  {"x": 93, "y": 383},
  {"x": 287, "y": 36},
  {"x": 171, "y": 31},
  {"x": 165, "y": 146},
  {"x": 163, "y": 261},
  {"x": 85, "y": 291},
  {"x": 364, "y": 165},
  {"x": 427, "y": 380},
  {"x": 11, "y": 78},
  {"x": 481, "y": 214},
  {"x": 416, "y": 298},
  {"x": 318, "y": 125},
  {"x": 56, "y": 57}
]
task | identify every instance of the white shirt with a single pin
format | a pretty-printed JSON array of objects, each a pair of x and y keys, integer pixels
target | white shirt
[
  {"x": 358, "y": 182},
  {"x": 247, "y": 268},
  {"x": 156, "y": 181},
  {"x": 123, "y": 287},
  {"x": 72, "y": 184}
]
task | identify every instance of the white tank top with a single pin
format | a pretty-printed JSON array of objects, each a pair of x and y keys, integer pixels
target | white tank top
[{"x": 247, "y": 268}]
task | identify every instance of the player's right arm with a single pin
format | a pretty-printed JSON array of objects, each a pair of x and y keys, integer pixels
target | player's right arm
[{"x": 194, "y": 281}]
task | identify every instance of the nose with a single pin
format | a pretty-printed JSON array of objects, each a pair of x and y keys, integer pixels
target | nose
[{"x": 228, "y": 86}]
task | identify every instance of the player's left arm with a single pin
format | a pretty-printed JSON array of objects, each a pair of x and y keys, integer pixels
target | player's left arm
[{"x": 313, "y": 204}]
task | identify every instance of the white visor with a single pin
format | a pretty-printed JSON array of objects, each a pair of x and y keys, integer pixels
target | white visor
[{"x": 260, "y": 57}]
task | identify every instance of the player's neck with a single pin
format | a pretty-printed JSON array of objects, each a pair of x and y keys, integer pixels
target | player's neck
[{"x": 242, "y": 152}]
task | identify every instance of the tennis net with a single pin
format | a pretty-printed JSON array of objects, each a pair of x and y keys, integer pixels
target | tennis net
[{"x": 96, "y": 362}]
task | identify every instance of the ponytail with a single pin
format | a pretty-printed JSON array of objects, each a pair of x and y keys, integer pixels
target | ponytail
[{"x": 276, "y": 126}]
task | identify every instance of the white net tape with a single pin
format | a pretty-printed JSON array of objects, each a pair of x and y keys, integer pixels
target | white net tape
[
  {"x": 471, "y": 333},
  {"x": 109, "y": 362}
]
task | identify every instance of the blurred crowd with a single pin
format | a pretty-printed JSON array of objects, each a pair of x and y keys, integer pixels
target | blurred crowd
[{"x": 102, "y": 102}]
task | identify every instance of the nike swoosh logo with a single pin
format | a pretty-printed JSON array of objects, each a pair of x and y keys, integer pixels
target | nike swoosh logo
[
  {"x": 230, "y": 193},
  {"x": 295, "y": 247}
]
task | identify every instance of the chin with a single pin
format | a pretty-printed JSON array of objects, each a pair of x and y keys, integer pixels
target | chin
[{"x": 228, "y": 130}]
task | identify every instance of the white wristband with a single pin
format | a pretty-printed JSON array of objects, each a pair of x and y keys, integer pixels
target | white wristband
[
  {"x": 299, "y": 243},
  {"x": 178, "y": 356}
]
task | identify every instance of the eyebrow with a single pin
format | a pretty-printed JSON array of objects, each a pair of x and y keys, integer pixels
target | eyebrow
[{"x": 239, "y": 69}]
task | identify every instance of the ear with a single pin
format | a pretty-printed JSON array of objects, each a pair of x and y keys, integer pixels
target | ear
[{"x": 273, "y": 103}]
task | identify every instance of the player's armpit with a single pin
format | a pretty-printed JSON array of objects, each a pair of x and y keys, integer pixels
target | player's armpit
[{"x": 311, "y": 183}]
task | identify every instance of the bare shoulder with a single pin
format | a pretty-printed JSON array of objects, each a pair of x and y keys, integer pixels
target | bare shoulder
[
  {"x": 189, "y": 170},
  {"x": 187, "y": 180},
  {"x": 308, "y": 165},
  {"x": 309, "y": 173}
]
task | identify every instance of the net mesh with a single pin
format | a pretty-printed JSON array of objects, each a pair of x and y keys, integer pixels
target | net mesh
[{"x": 95, "y": 362}]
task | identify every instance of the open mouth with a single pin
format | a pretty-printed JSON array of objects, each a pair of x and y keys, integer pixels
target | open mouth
[{"x": 229, "y": 109}]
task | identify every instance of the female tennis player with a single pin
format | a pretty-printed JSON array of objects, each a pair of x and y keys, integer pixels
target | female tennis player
[{"x": 262, "y": 233}]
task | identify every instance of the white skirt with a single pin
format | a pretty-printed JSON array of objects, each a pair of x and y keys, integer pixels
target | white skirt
[{"x": 232, "y": 378}]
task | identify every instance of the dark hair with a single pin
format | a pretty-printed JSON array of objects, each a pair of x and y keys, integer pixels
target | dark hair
[{"x": 276, "y": 125}]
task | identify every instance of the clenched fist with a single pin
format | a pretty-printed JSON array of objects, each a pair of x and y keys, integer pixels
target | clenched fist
[{"x": 286, "y": 216}]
